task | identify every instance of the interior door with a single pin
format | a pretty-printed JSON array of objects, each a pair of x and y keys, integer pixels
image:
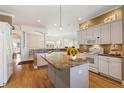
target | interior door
[{"x": 1, "y": 58}]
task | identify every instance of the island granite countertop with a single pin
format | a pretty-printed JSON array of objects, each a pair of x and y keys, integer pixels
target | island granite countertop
[{"x": 60, "y": 60}]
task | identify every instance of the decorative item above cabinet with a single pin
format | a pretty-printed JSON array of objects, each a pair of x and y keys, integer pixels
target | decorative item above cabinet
[{"x": 110, "y": 16}]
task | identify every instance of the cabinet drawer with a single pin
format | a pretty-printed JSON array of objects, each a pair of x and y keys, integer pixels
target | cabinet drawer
[
  {"x": 110, "y": 58},
  {"x": 105, "y": 58},
  {"x": 115, "y": 59}
]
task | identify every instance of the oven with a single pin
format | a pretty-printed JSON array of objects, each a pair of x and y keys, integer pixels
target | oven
[{"x": 93, "y": 61}]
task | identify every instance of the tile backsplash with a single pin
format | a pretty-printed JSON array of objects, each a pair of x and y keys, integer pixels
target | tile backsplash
[{"x": 107, "y": 48}]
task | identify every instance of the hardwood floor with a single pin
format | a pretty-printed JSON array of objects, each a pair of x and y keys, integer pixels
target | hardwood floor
[{"x": 25, "y": 76}]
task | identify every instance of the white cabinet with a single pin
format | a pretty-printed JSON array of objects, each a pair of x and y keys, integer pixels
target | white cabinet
[
  {"x": 110, "y": 33},
  {"x": 1, "y": 59},
  {"x": 93, "y": 35},
  {"x": 103, "y": 65},
  {"x": 110, "y": 66},
  {"x": 84, "y": 37},
  {"x": 115, "y": 68},
  {"x": 105, "y": 34},
  {"x": 96, "y": 34},
  {"x": 90, "y": 35},
  {"x": 116, "y": 32},
  {"x": 79, "y": 36}
]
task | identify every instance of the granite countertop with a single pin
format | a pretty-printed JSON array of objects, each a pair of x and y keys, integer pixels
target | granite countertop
[
  {"x": 110, "y": 55},
  {"x": 60, "y": 61}
]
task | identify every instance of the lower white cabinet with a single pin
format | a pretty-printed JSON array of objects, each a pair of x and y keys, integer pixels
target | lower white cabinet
[
  {"x": 110, "y": 66},
  {"x": 103, "y": 66},
  {"x": 115, "y": 69}
]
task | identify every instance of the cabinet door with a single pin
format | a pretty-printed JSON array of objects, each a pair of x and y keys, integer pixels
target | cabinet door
[
  {"x": 105, "y": 34},
  {"x": 89, "y": 35},
  {"x": 103, "y": 66},
  {"x": 116, "y": 32},
  {"x": 115, "y": 69},
  {"x": 96, "y": 34},
  {"x": 83, "y": 37},
  {"x": 79, "y": 36}
]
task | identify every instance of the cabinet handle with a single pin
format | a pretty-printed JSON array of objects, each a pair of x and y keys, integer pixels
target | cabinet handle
[{"x": 98, "y": 37}]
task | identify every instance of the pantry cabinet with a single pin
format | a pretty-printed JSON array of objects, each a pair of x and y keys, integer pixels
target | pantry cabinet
[
  {"x": 110, "y": 66},
  {"x": 116, "y": 32},
  {"x": 105, "y": 34}
]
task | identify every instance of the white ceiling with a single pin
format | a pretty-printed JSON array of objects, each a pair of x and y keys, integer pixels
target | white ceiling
[{"x": 49, "y": 15}]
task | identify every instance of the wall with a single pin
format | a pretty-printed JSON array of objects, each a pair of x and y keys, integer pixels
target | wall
[
  {"x": 35, "y": 41},
  {"x": 101, "y": 19},
  {"x": 28, "y": 32}
]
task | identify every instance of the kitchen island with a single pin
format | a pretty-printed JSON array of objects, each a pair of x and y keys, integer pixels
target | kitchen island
[{"x": 65, "y": 73}]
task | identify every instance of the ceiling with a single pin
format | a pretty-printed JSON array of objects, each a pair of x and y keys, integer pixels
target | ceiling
[{"x": 49, "y": 15}]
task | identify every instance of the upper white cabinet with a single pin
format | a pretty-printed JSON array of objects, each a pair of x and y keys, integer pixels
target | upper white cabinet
[
  {"x": 90, "y": 36},
  {"x": 105, "y": 34},
  {"x": 96, "y": 34},
  {"x": 110, "y": 33},
  {"x": 79, "y": 37},
  {"x": 116, "y": 32},
  {"x": 93, "y": 35},
  {"x": 84, "y": 37}
]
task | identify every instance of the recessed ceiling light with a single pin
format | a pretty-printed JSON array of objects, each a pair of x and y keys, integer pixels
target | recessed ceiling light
[
  {"x": 38, "y": 20},
  {"x": 55, "y": 24},
  {"x": 80, "y": 19}
]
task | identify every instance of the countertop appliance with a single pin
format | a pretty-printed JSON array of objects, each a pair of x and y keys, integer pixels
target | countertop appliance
[{"x": 6, "y": 66}]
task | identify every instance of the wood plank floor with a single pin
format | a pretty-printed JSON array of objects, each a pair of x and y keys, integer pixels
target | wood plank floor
[{"x": 25, "y": 76}]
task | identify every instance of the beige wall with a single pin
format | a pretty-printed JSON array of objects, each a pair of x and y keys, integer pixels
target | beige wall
[{"x": 35, "y": 41}]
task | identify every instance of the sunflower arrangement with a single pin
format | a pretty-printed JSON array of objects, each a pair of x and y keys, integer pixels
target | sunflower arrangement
[{"x": 72, "y": 52}]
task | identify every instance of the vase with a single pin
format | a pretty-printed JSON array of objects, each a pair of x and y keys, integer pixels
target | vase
[{"x": 73, "y": 57}]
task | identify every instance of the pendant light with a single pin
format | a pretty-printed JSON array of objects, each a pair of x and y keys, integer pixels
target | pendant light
[{"x": 60, "y": 25}]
